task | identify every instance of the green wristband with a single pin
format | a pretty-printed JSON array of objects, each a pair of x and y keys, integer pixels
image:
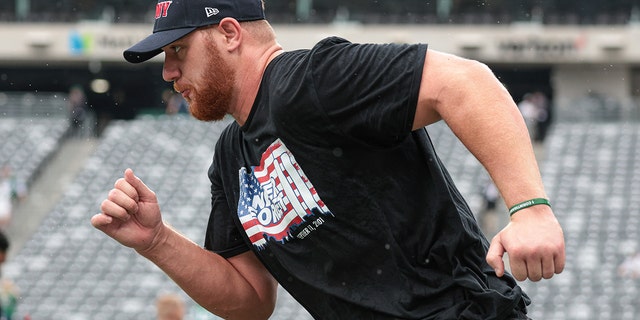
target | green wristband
[{"x": 527, "y": 204}]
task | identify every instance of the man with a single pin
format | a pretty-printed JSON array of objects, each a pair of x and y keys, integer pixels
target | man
[
  {"x": 8, "y": 289},
  {"x": 12, "y": 191},
  {"x": 327, "y": 182},
  {"x": 170, "y": 306}
]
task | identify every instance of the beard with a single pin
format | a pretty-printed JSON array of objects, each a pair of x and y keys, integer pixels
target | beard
[{"x": 211, "y": 101}]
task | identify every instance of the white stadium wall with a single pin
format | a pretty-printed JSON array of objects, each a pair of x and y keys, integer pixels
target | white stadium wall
[
  {"x": 602, "y": 90},
  {"x": 584, "y": 60}
]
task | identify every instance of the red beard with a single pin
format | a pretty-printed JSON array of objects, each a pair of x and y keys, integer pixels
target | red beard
[{"x": 211, "y": 101}]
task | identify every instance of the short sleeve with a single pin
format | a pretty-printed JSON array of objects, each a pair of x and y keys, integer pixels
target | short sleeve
[
  {"x": 222, "y": 235},
  {"x": 369, "y": 90}
]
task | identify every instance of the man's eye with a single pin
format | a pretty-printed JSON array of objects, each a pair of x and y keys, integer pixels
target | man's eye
[{"x": 177, "y": 49}]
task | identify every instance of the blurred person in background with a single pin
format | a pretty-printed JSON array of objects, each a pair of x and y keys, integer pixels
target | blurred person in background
[
  {"x": 12, "y": 191},
  {"x": 170, "y": 306},
  {"x": 174, "y": 103},
  {"x": 4, "y": 248},
  {"x": 327, "y": 181},
  {"x": 536, "y": 113},
  {"x": 77, "y": 110},
  {"x": 543, "y": 121},
  {"x": 8, "y": 290},
  {"x": 630, "y": 267}
]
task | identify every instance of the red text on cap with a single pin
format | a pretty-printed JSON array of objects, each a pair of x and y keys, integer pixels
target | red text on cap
[{"x": 162, "y": 8}]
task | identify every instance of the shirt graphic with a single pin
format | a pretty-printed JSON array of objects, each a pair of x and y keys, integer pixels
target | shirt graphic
[{"x": 277, "y": 201}]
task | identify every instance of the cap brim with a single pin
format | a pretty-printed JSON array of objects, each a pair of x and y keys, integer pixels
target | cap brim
[{"x": 152, "y": 45}]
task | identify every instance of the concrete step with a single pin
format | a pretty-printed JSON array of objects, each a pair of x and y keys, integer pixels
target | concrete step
[{"x": 47, "y": 189}]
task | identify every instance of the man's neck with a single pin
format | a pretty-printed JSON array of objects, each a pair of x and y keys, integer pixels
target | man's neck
[{"x": 249, "y": 79}]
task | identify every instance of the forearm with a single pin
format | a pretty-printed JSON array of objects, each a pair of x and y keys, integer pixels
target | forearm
[
  {"x": 211, "y": 280},
  {"x": 499, "y": 140}
]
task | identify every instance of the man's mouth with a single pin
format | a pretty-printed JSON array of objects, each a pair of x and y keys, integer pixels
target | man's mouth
[{"x": 183, "y": 92}]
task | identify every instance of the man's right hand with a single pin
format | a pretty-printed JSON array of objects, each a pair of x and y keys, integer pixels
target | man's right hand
[{"x": 130, "y": 214}]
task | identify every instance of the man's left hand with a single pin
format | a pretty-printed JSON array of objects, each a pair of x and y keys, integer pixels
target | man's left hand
[{"x": 534, "y": 242}]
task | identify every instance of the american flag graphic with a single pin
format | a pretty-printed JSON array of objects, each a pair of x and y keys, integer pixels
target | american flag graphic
[{"x": 276, "y": 197}]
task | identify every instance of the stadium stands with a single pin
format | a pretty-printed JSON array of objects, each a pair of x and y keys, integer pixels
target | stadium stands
[
  {"x": 33, "y": 104},
  {"x": 32, "y": 127},
  {"x": 407, "y": 11},
  {"x": 591, "y": 172},
  {"x": 28, "y": 142},
  {"x": 68, "y": 270}
]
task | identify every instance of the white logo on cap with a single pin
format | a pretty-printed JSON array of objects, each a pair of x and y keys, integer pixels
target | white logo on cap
[{"x": 211, "y": 11}]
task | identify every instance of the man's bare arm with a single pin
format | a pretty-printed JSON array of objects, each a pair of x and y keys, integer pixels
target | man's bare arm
[
  {"x": 236, "y": 288},
  {"x": 482, "y": 114}
]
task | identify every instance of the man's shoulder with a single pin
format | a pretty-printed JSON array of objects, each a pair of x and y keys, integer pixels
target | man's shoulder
[
  {"x": 325, "y": 43},
  {"x": 332, "y": 40}
]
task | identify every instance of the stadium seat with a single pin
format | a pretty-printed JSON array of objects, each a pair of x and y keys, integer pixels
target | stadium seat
[{"x": 69, "y": 269}]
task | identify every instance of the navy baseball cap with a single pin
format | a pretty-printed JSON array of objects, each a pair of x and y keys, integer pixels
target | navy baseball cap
[{"x": 177, "y": 18}]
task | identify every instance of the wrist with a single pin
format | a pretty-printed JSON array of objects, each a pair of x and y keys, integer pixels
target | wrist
[
  {"x": 528, "y": 204},
  {"x": 152, "y": 249}
]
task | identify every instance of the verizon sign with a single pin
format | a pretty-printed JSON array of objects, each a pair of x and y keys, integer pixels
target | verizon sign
[
  {"x": 537, "y": 47},
  {"x": 95, "y": 43},
  {"x": 103, "y": 43}
]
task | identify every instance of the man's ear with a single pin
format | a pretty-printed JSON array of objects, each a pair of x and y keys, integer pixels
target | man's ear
[{"x": 232, "y": 32}]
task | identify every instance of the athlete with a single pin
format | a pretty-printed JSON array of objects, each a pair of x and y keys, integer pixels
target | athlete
[{"x": 327, "y": 182}]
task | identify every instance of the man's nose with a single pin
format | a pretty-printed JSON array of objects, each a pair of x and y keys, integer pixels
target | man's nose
[{"x": 170, "y": 70}]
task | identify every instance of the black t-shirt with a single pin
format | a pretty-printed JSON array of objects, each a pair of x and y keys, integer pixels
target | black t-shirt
[{"x": 350, "y": 210}]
